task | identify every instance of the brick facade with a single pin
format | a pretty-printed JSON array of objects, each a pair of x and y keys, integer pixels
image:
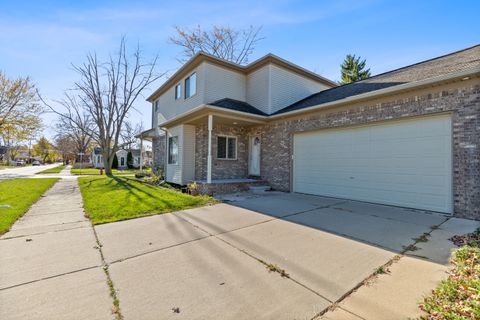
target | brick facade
[
  {"x": 221, "y": 169},
  {"x": 158, "y": 149}
]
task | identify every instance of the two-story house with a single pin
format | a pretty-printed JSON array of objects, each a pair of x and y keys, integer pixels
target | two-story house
[{"x": 408, "y": 137}]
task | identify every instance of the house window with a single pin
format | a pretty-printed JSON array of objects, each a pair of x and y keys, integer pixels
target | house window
[
  {"x": 178, "y": 91},
  {"x": 191, "y": 85},
  {"x": 156, "y": 106},
  {"x": 122, "y": 161},
  {"x": 227, "y": 147},
  {"x": 173, "y": 150}
]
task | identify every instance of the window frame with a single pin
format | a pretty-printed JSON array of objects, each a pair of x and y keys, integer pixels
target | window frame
[
  {"x": 178, "y": 91},
  {"x": 227, "y": 137},
  {"x": 169, "y": 158},
  {"x": 187, "y": 95}
]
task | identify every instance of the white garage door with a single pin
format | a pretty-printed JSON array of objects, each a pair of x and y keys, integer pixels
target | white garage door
[{"x": 405, "y": 163}]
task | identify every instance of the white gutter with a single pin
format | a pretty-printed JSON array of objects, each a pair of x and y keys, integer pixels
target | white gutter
[{"x": 380, "y": 92}]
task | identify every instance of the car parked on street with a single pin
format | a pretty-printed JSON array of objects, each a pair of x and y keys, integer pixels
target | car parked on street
[{"x": 36, "y": 163}]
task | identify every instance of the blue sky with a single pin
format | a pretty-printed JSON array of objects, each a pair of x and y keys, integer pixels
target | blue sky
[{"x": 42, "y": 39}]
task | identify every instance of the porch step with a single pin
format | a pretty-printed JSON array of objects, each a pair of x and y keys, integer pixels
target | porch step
[{"x": 259, "y": 189}]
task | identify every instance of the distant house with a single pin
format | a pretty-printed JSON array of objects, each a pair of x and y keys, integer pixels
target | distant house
[{"x": 122, "y": 155}]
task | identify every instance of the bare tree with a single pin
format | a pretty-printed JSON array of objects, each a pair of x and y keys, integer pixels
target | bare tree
[
  {"x": 66, "y": 147},
  {"x": 129, "y": 134},
  {"x": 221, "y": 41},
  {"x": 107, "y": 92},
  {"x": 76, "y": 124}
]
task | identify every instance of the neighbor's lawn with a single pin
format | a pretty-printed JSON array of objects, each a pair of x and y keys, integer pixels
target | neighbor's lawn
[
  {"x": 6, "y": 167},
  {"x": 93, "y": 171},
  {"x": 108, "y": 199},
  {"x": 52, "y": 170},
  {"x": 457, "y": 297},
  {"x": 20, "y": 194}
]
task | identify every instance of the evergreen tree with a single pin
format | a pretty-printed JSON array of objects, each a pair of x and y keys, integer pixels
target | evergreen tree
[
  {"x": 115, "y": 162},
  {"x": 353, "y": 69},
  {"x": 130, "y": 159}
]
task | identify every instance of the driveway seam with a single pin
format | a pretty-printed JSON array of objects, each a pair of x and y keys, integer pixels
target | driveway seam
[
  {"x": 176, "y": 213},
  {"x": 257, "y": 259},
  {"x": 49, "y": 277},
  {"x": 40, "y": 233},
  {"x": 396, "y": 258},
  {"x": 113, "y": 292}
]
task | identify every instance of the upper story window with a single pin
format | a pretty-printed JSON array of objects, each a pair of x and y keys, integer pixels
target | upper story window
[
  {"x": 191, "y": 85},
  {"x": 178, "y": 91},
  {"x": 156, "y": 106}
]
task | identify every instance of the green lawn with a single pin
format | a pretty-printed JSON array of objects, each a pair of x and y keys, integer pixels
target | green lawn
[
  {"x": 458, "y": 297},
  {"x": 108, "y": 199},
  {"x": 20, "y": 194},
  {"x": 52, "y": 170},
  {"x": 93, "y": 171}
]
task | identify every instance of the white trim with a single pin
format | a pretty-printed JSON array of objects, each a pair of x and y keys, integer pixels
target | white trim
[{"x": 209, "y": 154}]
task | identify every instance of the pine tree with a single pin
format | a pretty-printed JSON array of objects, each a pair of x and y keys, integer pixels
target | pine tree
[
  {"x": 115, "y": 162},
  {"x": 130, "y": 159},
  {"x": 353, "y": 69}
]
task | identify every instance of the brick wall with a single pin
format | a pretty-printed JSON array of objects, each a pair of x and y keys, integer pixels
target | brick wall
[
  {"x": 158, "y": 149},
  {"x": 221, "y": 169}
]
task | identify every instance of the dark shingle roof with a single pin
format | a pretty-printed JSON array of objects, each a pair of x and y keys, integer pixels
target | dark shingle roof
[
  {"x": 237, "y": 106},
  {"x": 454, "y": 62}
]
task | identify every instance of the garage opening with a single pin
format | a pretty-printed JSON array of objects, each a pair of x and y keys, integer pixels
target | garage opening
[{"x": 405, "y": 163}]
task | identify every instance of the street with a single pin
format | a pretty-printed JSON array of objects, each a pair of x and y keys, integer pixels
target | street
[{"x": 23, "y": 172}]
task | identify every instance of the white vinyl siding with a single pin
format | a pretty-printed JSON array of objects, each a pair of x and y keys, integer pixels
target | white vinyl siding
[
  {"x": 171, "y": 107},
  {"x": 406, "y": 163},
  {"x": 223, "y": 83},
  {"x": 288, "y": 87},
  {"x": 183, "y": 171},
  {"x": 258, "y": 89}
]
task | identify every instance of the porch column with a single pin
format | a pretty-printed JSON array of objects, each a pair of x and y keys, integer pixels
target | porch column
[
  {"x": 209, "y": 154},
  {"x": 141, "y": 152}
]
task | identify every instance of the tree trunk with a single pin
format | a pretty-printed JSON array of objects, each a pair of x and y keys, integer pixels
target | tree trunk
[{"x": 107, "y": 162}]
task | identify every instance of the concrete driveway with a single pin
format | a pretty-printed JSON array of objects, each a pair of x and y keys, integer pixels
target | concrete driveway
[
  {"x": 274, "y": 256},
  {"x": 211, "y": 262},
  {"x": 23, "y": 172}
]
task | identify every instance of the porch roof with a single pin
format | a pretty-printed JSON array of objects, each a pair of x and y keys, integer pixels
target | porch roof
[
  {"x": 222, "y": 115},
  {"x": 146, "y": 135}
]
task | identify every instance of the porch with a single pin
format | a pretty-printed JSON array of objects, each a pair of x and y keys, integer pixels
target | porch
[{"x": 219, "y": 149}]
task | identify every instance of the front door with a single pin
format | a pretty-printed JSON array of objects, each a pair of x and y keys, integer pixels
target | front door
[{"x": 254, "y": 159}]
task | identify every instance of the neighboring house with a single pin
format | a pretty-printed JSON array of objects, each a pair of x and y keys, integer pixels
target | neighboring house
[
  {"x": 97, "y": 158},
  {"x": 409, "y": 137}
]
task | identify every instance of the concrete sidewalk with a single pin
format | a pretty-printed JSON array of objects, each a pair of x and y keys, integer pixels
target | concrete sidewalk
[{"x": 50, "y": 267}]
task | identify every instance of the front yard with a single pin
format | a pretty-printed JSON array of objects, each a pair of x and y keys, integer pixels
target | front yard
[
  {"x": 19, "y": 195},
  {"x": 52, "y": 170},
  {"x": 109, "y": 199},
  {"x": 93, "y": 171},
  {"x": 457, "y": 297}
]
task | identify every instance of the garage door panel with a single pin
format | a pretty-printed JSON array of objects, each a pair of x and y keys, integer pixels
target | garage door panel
[{"x": 406, "y": 163}]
